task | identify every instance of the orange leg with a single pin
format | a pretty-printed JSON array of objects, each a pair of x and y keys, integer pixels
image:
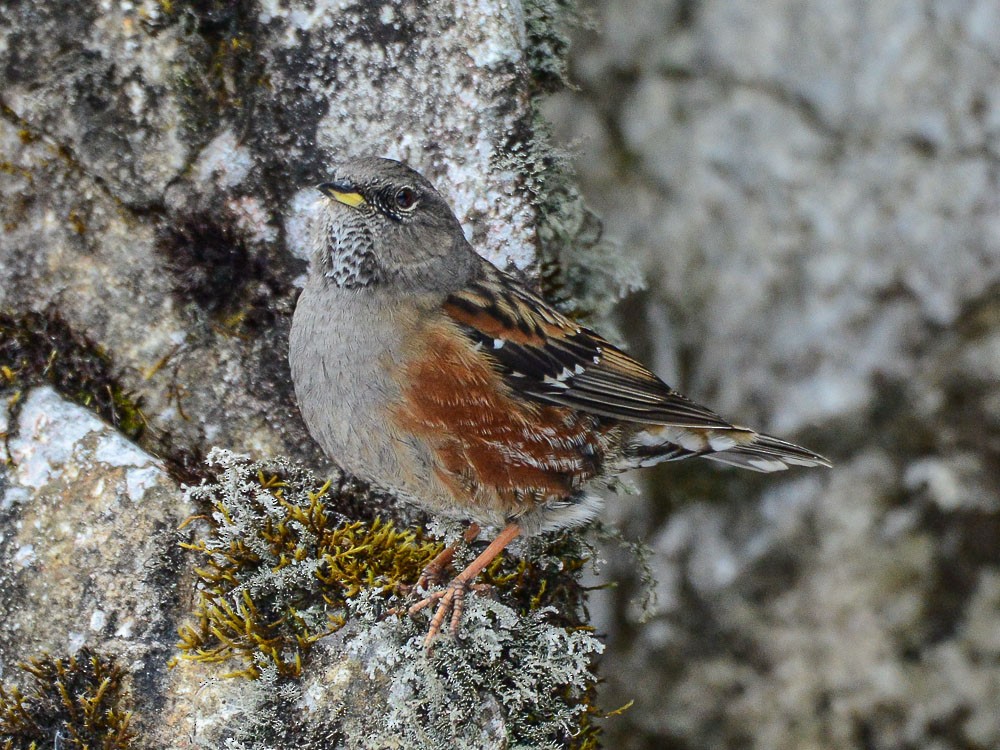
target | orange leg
[
  {"x": 450, "y": 600},
  {"x": 432, "y": 571}
]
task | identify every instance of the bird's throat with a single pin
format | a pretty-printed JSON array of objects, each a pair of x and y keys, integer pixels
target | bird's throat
[{"x": 350, "y": 259}]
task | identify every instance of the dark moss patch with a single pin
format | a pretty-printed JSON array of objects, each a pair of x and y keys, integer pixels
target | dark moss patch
[
  {"x": 217, "y": 270},
  {"x": 77, "y": 702},
  {"x": 227, "y": 28},
  {"x": 37, "y": 348},
  {"x": 41, "y": 348}
]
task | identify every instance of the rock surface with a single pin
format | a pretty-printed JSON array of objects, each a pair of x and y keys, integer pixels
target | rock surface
[
  {"x": 157, "y": 170},
  {"x": 89, "y": 548},
  {"x": 812, "y": 188}
]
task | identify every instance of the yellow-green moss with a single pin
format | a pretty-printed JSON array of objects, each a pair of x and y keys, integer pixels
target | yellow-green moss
[
  {"x": 278, "y": 562},
  {"x": 42, "y": 348},
  {"x": 77, "y": 702},
  {"x": 329, "y": 558},
  {"x": 283, "y": 561}
]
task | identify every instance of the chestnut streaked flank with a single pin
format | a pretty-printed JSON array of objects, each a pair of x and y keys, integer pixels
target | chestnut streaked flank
[{"x": 421, "y": 367}]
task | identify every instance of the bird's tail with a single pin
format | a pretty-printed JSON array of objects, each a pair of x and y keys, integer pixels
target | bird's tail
[
  {"x": 767, "y": 453},
  {"x": 736, "y": 446}
]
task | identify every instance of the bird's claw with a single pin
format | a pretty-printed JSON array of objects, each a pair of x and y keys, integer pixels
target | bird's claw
[
  {"x": 450, "y": 600},
  {"x": 432, "y": 574}
]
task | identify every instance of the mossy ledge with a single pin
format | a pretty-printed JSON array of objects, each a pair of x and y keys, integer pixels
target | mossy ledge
[{"x": 284, "y": 563}]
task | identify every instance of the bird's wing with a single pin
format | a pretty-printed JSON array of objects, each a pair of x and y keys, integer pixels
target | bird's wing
[{"x": 548, "y": 357}]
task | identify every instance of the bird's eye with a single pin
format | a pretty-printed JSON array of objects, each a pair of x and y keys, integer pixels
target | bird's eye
[{"x": 406, "y": 198}]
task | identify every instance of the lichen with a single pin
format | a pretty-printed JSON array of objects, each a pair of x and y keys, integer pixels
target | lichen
[
  {"x": 77, "y": 702},
  {"x": 279, "y": 562},
  {"x": 528, "y": 676},
  {"x": 285, "y": 561},
  {"x": 546, "y": 25},
  {"x": 577, "y": 268},
  {"x": 280, "y": 559}
]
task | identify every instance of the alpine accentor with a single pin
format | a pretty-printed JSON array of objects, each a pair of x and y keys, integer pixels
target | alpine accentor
[{"x": 424, "y": 369}]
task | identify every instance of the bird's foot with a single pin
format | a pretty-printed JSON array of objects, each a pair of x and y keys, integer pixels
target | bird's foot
[
  {"x": 450, "y": 601},
  {"x": 434, "y": 573}
]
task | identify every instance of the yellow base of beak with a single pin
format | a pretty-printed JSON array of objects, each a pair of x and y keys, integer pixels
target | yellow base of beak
[{"x": 350, "y": 199}]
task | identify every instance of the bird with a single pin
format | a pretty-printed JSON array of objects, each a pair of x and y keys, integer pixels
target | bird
[{"x": 424, "y": 369}]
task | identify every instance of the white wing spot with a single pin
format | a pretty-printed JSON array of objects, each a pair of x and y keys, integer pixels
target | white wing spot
[
  {"x": 498, "y": 343},
  {"x": 721, "y": 442}
]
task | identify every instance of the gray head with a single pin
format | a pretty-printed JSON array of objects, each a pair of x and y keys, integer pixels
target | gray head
[{"x": 384, "y": 223}]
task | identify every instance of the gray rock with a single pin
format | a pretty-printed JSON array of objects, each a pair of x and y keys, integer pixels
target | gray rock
[
  {"x": 158, "y": 159},
  {"x": 811, "y": 191},
  {"x": 88, "y": 546}
]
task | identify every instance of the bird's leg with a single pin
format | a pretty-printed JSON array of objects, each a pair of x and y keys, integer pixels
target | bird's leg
[
  {"x": 433, "y": 571},
  {"x": 450, "y": 600}
]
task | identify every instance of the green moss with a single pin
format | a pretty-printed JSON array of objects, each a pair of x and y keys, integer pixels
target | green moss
[
  {"x": 38, "y": 348},
  {"x": 279, "y": 562},
  {"x": 69, "y": 703},
  {"x": 309, "y": 560}
]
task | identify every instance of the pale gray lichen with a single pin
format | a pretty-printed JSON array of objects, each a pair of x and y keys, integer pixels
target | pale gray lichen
[
  {"x": 581, "y": 271},
  {"x": 528, "y": 676},
  {"x": 281, "y": 551},
  {"x": 547, "y": 23},
  {"x": 312, "y": 605},
  {"x": 267, "y": 714}
]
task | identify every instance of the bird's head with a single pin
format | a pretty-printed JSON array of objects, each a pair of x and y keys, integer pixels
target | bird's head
[{"x": 382, "y": 222}]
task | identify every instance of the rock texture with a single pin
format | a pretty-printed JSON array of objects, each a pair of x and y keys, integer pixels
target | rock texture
[
  {"x": 89, "y": 547},
  {"x": 812, "y": 189},
  {"x": 156, "y": 164}
]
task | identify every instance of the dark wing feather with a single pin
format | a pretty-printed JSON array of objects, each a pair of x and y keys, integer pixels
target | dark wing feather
[{"x": 546, "y": 356}]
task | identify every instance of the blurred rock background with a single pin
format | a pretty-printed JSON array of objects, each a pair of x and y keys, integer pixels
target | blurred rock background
[{"x": 812, "y": 191}]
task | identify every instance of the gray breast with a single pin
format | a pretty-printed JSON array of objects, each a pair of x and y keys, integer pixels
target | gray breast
[{"x": 341, "y": 344}]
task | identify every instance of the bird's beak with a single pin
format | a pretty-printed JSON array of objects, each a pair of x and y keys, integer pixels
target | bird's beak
[{"x": 342, "y": 192}]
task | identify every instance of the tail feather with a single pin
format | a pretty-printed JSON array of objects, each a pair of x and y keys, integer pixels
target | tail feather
[
  {"x": 735, "y": 446},
  {"x": 767, "y": 453}
]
